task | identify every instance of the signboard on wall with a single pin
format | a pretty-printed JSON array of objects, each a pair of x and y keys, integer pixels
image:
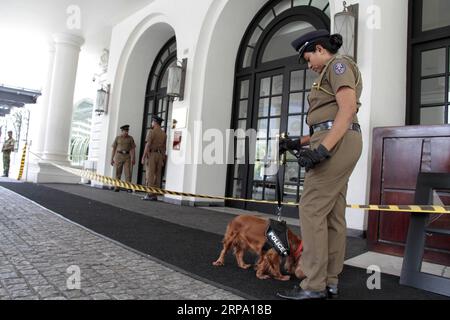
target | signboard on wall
[{"x": 176, "y": 140}]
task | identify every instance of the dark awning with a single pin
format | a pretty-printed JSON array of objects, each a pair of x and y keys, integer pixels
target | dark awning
[{"x": 11, "y": 97}]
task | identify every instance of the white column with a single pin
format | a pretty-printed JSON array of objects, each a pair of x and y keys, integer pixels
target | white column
[
  {"x": 39, "y": 141},
  {"x": 59, "y": 118}
]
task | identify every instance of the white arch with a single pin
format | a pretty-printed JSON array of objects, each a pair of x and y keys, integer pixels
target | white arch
[
  {"x": 129, "y": 81},
  {"x": 213, "y": 79}
]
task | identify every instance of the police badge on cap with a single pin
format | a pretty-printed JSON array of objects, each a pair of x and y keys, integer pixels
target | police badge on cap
[{"x": 307, "y": 40}]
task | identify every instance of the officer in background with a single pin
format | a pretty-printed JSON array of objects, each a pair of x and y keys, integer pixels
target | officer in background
[
  {"x": 123, "y": 155},
  {"x": 8, "y": 147},
  {"x": 155, "y": 154},
  {"x": 335, "y": 147}
]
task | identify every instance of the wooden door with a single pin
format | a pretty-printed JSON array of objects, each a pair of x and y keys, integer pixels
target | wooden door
[{"x": 399, "y": 154}]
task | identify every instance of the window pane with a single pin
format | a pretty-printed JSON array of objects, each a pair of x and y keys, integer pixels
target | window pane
[
  {"x": 282, "y": 6},
  {"x": 263, "y": 107},
  {"x": 258, "y": 173},
  {"x": 267, "y": 19},
  {"x": 243, "y": 109},
  {"x": 311, "y": 77},
  {"x": 153, "y": 86},
  {"x": 244, "y": 89},
  {"x": 301, "y": 3},
  {"x": 295, "y": 102},
  {"x": 294, "y": 126},
  {"x": 305, "y": 127},
  {"x": 262, "y": 129},
  {"x": 291, "y": 172},
  {"x": 255, "y": 37},
  {"x": 247, "y": 58},
  {"x": 240, "y": 151},
  {"x": 432, "y": 116},
  {"x": 275, "y": 108},
  {"x": 270, "y": 189},
  {"x": 237, "y": 188},
  {"x": 173, "y": 47},
  {"x": 320, "y": 4},
  {"x": 257, "y": 190},
  {"x": 435, "y": 14},
  {"x": 242, "y": 124},
  {"x": 261, "y": 149},
  {"x": 274, "y": 127},
  {"x": 264, "y": 91},
  {"x": 433, "y": 62},
  {"x": 280, "y": 45},
  {"x": 297, "y": 80},
  {"x": 277, "y": 85},
  {"x": 433, "y": 90}
]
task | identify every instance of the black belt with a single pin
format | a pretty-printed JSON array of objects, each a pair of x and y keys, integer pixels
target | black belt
[
  {"x": 328, "y": 125},
  {"x": 123, "y": 152}
]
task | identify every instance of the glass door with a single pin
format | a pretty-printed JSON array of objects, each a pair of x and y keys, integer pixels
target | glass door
[{"x": 430, "y": 83}]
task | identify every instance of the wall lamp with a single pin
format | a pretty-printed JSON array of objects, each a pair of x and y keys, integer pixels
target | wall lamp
[
  {"x": 346, "y": 24},
  {"x": 176, "y": 79}
]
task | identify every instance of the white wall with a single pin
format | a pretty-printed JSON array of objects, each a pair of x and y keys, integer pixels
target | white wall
[{"x": 382, "y": 52}]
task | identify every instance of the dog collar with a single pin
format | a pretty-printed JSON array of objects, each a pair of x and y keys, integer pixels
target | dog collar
[{"x": 299, "y": 250}]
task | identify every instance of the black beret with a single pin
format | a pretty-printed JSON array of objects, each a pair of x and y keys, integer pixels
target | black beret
[
  {"x": 125, "y": 127},
  {"x": 157, "y": 119},
  {"x": 301, "y": 43}
]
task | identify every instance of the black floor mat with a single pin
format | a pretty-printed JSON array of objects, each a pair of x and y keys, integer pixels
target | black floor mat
[{"x": 193, "y": 250}]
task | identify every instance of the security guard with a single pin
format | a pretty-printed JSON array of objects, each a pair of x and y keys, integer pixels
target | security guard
[
  {"x": 155, "y": 154},
  {"x": 123, "y": 154},
  {"x": 8, "y": 147},
  {"x": 335, "y": 147}
]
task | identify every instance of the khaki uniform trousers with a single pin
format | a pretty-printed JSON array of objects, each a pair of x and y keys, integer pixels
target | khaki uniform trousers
[
  {"x": 123, "y": 164},
  {"x": 322, "y": 212},
  {"x": 6, "y": 162},
  {"x": 155, "y": 164}
]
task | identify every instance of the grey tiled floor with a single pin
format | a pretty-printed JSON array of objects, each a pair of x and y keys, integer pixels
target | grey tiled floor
[{"x": 38, "y": 248}]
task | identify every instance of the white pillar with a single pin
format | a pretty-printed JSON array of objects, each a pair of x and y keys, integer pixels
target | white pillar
[
  {"x": 59, "y": 118},
  {"x": 39, "y": 141},
  {"x": 56, "y": 120}
]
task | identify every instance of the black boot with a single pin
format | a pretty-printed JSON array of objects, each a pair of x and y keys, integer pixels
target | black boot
[
  {"x": 332, "y": 291},
  {"x": 299, "y": 294}
]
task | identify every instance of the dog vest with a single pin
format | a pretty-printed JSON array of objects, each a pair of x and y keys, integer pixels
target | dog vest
[{"x": 277, "y": 237}]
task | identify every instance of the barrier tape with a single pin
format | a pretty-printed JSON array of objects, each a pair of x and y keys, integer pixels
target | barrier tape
[
  {"x": 140, "y": 188},
  {"x": 22, "y": 162}
]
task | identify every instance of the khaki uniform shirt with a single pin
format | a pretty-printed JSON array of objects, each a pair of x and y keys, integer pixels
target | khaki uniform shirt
[
  {"x": 8, "y": 145},
  {"x": 124, "y": 143},
  {"x": 339, "y": 72},
  {"x": 157, "y": 140}
]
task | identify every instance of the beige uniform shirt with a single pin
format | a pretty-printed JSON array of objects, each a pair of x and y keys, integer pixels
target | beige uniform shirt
[
  {"x": 8, "y": 145},
  {"x": 339, "y": 72},
  {"x": 124, "y": 143},
  {"x": 157, "y": 140}
]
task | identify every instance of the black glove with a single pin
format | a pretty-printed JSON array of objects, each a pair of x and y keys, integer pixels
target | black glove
[
  {"x": 310, "y": 158},
  {"x": 289, "y": 144}
]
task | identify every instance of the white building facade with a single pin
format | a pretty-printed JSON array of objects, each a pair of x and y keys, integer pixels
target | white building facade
[{"x": 241, "y": 73}]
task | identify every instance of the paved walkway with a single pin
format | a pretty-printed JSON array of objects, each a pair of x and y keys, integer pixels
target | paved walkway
[{"x": 41, "y": 254}]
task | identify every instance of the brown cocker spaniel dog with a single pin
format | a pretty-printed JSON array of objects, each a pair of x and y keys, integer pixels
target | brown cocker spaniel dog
[{"x": 247, "y": 232}]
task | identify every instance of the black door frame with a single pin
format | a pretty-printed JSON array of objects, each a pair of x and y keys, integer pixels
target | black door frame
[
  {"x": 316, "y": 18},
  {"x": 154, "y": 96},
  {"x": 416, "y": 39}
]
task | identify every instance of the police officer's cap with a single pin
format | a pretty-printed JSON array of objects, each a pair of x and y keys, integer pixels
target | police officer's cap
[
  {"x": 157, "y": 119},
  {"x": 300, "y": 44},
  {"x": 125, "y": 127}
]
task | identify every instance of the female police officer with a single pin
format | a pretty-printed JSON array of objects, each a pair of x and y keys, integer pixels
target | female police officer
[{"x": 335, "y": 147}]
